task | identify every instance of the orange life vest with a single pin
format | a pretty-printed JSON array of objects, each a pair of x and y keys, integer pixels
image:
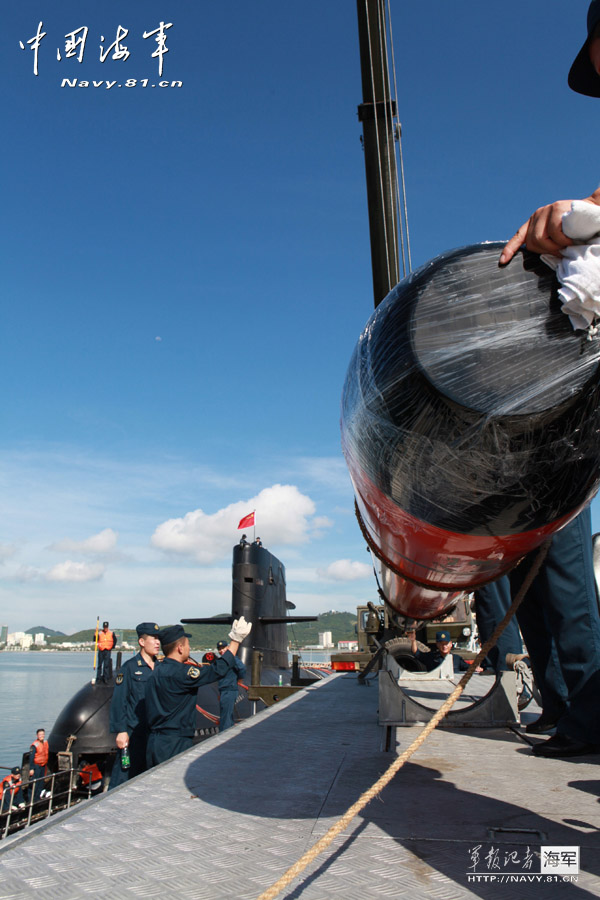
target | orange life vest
[
  {"x": 106, "y": 640},
  {"x": 15, "y": 785},
  {"x": 90, "y": 774},
  {"x": 41, "y": 752}
]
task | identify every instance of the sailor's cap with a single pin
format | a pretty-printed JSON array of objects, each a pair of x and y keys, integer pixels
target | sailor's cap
[
  {"x": 442, "y": 636},
  {"x": 172, "y": 633},
  {"x": 150, "y": 628}
]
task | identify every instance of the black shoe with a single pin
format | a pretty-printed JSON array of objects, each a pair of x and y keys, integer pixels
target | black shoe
[
  {"x": 560, "y": 745},
  {"x": 542, "y": 725}
]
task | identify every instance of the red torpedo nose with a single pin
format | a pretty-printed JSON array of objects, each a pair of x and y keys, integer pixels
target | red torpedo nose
[{"x": 470, "y": 424}]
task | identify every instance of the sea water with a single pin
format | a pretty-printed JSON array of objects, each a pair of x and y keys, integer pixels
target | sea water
[
  {"x": 34, "y": 688},
  {"x": 36, "y": 685}
]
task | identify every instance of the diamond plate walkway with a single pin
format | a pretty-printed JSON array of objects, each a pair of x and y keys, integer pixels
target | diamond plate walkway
[{"x": 224, "y": 820}]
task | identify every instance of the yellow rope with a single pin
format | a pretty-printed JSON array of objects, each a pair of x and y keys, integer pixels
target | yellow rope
[{"x": 387, "y": 776}]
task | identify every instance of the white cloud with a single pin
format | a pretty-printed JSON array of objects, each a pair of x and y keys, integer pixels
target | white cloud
[
  {"x": 75, "y": 571},
  {"x": 25, "y": 574},
  {"x": 345, "y": 570},
  {"x": 283, "y": 517},
  {"x": 103, "y": 542},
  {"x": 6, "y": 552},
  {"x": 319, "y": 525}
]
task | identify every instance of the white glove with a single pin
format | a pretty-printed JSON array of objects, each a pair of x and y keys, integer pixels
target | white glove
[{"x": 240, "y": 629}]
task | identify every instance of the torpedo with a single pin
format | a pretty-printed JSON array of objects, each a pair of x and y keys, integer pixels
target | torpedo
[{"x": 470, "y": 424}]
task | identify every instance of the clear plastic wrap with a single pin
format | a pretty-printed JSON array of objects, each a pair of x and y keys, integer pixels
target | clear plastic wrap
[{"x": 470, "y": 421}]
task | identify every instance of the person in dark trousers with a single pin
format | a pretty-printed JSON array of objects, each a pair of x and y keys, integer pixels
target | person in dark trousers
[
  {"x": 228, "y": 688},
  {"x": 106, "y": 641},
  {"x": 171, "y": 691},
  {"x": 128, "y": 706},
  {"x": 559, "y": 618},
  {"x": 38, "y": 760},
  {"x": 561, "y": 628}
]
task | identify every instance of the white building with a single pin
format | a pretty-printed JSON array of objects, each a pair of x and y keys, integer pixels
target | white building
[
  {"x": 325, "y": 639},
  {"x": 19, "y": 639},
  {"x": 15, "y": 638},
  {"x": 348, "y": 646},
  {"x": 39, "y": 638}
]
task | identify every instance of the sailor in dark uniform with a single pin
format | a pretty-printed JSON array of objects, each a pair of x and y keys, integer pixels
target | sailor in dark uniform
[
  {"x": 128, "y": 707},
  {"x": 433, "y": 658},
  {"x": 172, "y": 689},
  {"x": 560, "y": 624},
  {"x": 228, "y": 688},
  {"x": 559, "y": 617}
]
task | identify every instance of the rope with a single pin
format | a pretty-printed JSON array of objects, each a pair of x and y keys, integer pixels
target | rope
[
  {"x": 400, "y": 191},
  {"x": 377, "y": 137},
  {"x": 392, "y": 181},
  {"x": 385, "y": 779}
]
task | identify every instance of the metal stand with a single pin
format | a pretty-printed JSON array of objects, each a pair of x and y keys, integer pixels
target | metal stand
[{"x": 397, "y": 708}]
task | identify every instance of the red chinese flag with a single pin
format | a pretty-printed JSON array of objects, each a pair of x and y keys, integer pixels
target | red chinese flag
[{"x": 247, "y": 521}]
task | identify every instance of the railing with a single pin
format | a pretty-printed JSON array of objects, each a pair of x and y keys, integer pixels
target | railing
[{"x": 63, "y": 793}]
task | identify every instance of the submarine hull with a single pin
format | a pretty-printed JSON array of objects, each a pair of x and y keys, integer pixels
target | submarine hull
[{"x": 86, "y": 719}]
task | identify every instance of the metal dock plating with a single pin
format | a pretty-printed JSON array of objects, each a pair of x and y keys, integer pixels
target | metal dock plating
[{"x": 228, "y": 817}]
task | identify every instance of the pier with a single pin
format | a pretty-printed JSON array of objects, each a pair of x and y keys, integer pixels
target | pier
[{"x": 225, "y": 819}]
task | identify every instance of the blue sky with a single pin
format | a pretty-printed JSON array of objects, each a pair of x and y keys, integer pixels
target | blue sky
[{"x": 186, "y": 271}]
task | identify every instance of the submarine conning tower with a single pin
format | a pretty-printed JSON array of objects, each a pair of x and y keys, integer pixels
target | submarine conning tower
[{"x": 258, "y": 594}]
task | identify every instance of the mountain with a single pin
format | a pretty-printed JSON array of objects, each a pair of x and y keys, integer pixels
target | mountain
[
  {"x": 49, "y": 632},
  {"x": 340, "y": 624}
]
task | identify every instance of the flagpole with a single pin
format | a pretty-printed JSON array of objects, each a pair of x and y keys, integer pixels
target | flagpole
[
  {"x": 253, "y": 525},
  {"x": 96, "y": 641}
]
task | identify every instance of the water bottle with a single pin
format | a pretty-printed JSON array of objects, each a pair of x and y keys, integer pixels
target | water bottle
[
  {"x": 280, "y": 680},
  {"x": 125, "y": 760}
]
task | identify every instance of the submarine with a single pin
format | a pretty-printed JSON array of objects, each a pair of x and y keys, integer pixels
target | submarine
[
  {"x": 81, "y": 730},
  {"x": 258, "y": 594}
]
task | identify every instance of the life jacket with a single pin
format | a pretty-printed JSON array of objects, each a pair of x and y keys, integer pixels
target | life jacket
[
  {"x": 14, "y": 785},
  {"x": 41, "y": 753},
  {"x": 91, "y": 776},
  {"x": 106, "y": 640}
]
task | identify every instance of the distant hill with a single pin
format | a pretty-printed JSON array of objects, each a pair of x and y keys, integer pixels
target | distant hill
[
  {"x": 340, "y": 624},
  {"x": 49, "y": 632}
]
